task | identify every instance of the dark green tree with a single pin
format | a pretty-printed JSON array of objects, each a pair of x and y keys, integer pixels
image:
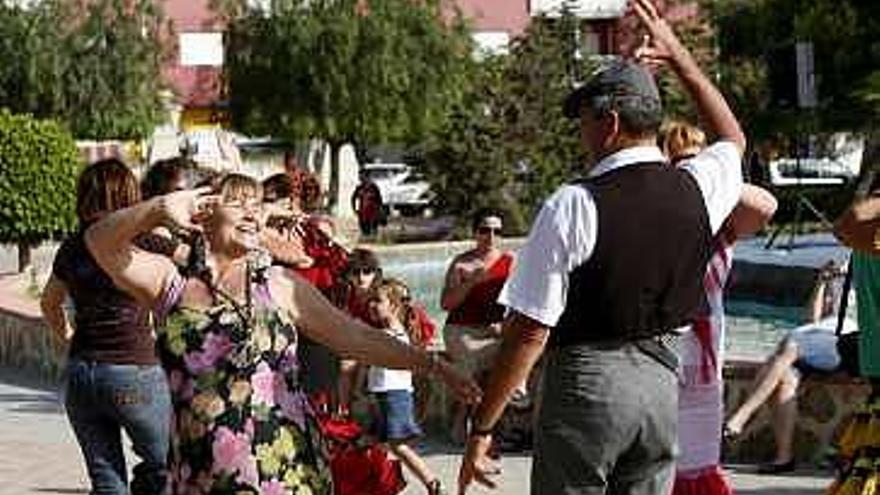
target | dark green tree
[
  {"x": 507, "y": 145},
  {"x": 95, "y": 66},
  {"x": 113, "y": 81},
  {"x": 31, "y": 49},
  {"x": 365, "y": 72},
  {"x": 39, "y": 164},
  {"x": 756, "y": 42}
]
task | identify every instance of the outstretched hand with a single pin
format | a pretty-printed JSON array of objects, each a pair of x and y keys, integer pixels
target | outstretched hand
[
  {"x": 464, "y": 387},
  {"x": 661, "y": 42},
  {"x": 187, "y": 209}
]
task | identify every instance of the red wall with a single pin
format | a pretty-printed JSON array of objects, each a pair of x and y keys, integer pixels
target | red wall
[
  {"x": 190, "y": 15},
  {"x": 497, "y": 15},
  {"x": 194, "y": 86}
]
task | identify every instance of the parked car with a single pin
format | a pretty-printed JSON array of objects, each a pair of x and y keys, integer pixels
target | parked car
[{"x": 403, "y": 188}]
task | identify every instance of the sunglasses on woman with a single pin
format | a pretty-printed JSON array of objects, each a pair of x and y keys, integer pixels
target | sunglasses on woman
[{"x": 489, "y": 230}]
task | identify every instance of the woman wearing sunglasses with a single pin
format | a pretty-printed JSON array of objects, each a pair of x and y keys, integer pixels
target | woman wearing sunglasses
[{"x": 473, "y": 281}]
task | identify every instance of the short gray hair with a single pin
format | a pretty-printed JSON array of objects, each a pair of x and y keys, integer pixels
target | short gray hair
[{"x": 639, "y": 116}]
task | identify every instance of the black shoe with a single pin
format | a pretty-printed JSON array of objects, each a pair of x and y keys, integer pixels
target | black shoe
[
  {"x": 729, "y": 436},
  {"x": 435, "y": 488},
  {"x": 776, "y": 468}
]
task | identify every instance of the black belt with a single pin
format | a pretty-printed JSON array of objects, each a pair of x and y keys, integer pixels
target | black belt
[{"x": 658, "y": 347}]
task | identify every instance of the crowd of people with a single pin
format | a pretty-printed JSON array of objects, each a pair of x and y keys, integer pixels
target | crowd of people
[{"x": 219, "y": 323}]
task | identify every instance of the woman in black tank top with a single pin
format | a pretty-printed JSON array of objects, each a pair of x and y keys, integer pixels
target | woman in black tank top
[{"x": 113, "y": 381}]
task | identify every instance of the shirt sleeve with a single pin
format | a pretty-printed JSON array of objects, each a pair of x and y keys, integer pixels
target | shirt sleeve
[
  {"x": 718, "y": 172},
  {"x": 561, "y": 238}
]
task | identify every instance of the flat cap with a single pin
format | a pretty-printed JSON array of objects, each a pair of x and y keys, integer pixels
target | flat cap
[{"x": 619, "y": 79}]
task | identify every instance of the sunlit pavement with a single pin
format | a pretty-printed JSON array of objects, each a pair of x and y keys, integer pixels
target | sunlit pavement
[{"x": 38, "y": 455}]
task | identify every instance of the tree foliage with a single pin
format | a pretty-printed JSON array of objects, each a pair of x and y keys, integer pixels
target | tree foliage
[
  {"x": 39, "y": 164},
  {"x": 756, "y": 42},
  {"x": 345, "y": 70},
  {"x": 508, "y": 145},
  {"x": 94, "y": 66}
]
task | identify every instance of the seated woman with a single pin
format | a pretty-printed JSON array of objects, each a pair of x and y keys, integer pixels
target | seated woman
[
  {"x": 228, "y": 339},
  {"x": 809, "y": 347}
]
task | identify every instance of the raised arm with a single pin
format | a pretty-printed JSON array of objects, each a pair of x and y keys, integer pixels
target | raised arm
[
  {"x": 665, "y": 47},
  {"x": 141, "y": 274},
  {"x": 755, "y": 208},
  {"x": 859, "y": 225}
]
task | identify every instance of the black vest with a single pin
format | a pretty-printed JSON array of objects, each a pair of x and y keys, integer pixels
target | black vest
[{"x": 645, "y": 274}]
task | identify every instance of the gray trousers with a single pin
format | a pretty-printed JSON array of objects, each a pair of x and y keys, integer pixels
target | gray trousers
[{"x": 606, "y": 424}]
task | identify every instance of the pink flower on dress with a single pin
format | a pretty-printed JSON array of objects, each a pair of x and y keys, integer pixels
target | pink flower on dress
[
  {"x": 214, "y": 348},
  {"x": 293, "y": 406},
  {"x": 289, "y": 362},
  {"x": 247, "y": 473},
  {"x": 232, "y": 452},
  {"x": 273, "y": 487},
  {"x": 264, "y": 385}
]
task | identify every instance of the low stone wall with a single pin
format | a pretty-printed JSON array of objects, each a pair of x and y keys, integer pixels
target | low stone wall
[
  {"x": 825, "y": 403},
  {"x": 26, "y": 346}
]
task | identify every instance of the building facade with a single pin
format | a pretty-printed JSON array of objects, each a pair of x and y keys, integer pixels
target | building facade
[{"x": 194, "y": 71}]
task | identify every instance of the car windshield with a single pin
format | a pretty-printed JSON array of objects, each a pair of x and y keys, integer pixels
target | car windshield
[
  {"x": 414, "y": 177},
  {"x": 381, "y": 173}
]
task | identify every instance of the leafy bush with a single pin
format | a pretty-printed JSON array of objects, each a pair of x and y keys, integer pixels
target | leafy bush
[{"x": 39, "y": 164}]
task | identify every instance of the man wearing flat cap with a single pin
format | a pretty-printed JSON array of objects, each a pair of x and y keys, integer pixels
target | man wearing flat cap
[{"x": 612, "y": 269}]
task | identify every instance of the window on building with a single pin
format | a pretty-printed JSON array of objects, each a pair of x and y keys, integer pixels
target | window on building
[
  {"x": 491, "y": 42},
  {"x": 264, "y": 5},
  {"x": 587, "y": 9},
  {"x": 201, "y": 49},
  {"x": 591, "y": 42}
]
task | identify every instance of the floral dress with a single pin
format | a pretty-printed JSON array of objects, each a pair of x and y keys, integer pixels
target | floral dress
[{"x": 242, "y": 424}]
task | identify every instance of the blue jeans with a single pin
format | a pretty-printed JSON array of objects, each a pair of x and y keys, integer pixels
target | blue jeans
[{"x": 101, "y": 400}]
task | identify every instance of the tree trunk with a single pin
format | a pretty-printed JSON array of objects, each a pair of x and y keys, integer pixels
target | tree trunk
[
  {"x": 24, "y": 256},
  {"x": 333, "y": 193}
]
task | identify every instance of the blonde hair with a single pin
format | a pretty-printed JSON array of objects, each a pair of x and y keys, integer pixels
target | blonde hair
[
  {"x": 239, "y": 187},
  {"x": 398, "y": 295},
  {"x": 681, "y": 140}
]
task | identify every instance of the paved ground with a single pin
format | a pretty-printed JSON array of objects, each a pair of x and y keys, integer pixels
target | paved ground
[{"x": 38, "y": 454}]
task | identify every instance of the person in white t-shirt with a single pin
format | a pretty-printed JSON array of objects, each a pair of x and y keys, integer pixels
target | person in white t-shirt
[
  {"x": 390, "y": 307},
  {"x": 612, "y": 268}
]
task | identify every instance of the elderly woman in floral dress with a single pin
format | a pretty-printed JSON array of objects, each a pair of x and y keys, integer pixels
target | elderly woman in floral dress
[{"x": 228, "y": 337}]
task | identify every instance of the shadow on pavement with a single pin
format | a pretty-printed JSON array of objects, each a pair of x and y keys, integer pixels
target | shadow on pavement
[
  {"x": 30, "y": 403},
  {"x": 60, "y": 490},
  {"x": 775, "y": 490}
]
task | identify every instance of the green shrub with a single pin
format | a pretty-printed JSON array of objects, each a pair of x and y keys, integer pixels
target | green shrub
[{"x": 39, "y": 164}]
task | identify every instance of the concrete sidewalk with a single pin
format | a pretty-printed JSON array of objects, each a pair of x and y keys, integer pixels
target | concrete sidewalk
[{"x": 39, "y": 455}]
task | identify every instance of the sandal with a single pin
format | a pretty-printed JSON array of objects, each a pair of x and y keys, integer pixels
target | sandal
[
  {"x": 729, "y": 435},
  {"x": 777, "y": 468}
]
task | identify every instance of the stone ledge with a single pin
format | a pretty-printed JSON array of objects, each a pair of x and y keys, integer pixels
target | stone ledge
[{"x": 825, "y": 403}]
